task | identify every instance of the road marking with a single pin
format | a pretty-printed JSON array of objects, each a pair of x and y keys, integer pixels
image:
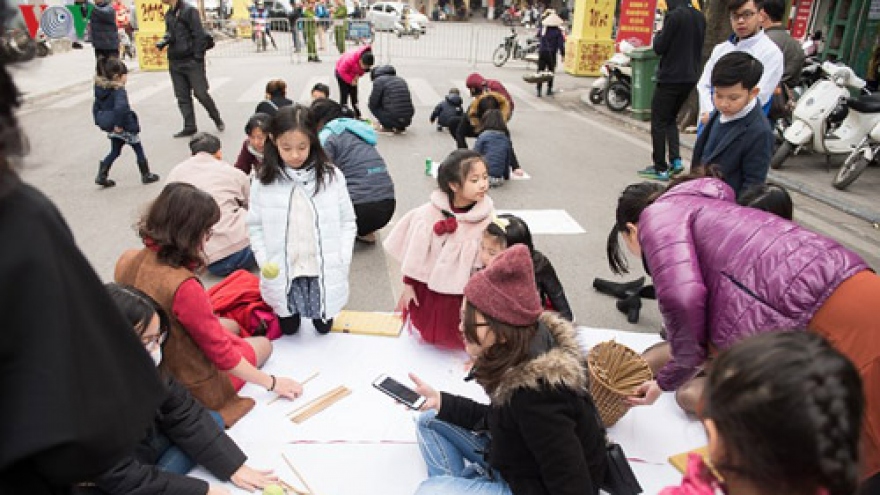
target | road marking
[
  {"x": 424, "y": 92},
  {"x": 144, "y": 93},
  {"x": 521, "y": 95},
  {"x": 256, "y": 92},
  {"x": 548, "y": 222}
]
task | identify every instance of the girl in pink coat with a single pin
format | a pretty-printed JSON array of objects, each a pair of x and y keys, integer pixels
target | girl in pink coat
[
  {"x": 438, "y": 247},
  {"x": 349, "y": 68}
]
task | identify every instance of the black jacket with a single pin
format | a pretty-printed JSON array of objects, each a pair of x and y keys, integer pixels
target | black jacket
[
  {"x": 743, "y": 154},
  {"x": 391, "y": 94},
  {"x": 270, "y": 107},
  {"x": 188, "y": 39},
  {"x": 546, "y": 435},
  {"x": 680, "y": 44},
  {"x": 78, "y": 388},
  {"x": 189, "y": 426},
  {"x": 111, "y": 109},
  {"x": 549, "y": 286},
  {"x": 448, "y": 110},
  {"x": 105, "y": 35}
]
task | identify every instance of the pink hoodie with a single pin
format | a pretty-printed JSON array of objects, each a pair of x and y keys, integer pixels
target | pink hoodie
[
  {"x": 698, "y": 480},
  {"x": 348, "y": 67}
]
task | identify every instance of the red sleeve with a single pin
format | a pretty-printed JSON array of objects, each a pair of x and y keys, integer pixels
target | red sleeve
[
  {"x": 193, "y": 310},
  {"x": 245, "y": 161}
]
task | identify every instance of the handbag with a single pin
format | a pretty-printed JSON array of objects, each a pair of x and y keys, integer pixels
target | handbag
[{"x": 619, "y": 478}]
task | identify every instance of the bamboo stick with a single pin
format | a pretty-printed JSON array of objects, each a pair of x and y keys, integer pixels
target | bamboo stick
[
  {"x": 323, "y": 402},
  {"x": 295, "y": 472},
  {"x": 288, "y": 487},
  {"x": 307, "y": 380}
]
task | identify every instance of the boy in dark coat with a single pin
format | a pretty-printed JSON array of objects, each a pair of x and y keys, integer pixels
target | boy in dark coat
[
  {"x": 390, "y": 100},
  {"x": 737, "y": 139},
  {"x": 448, "y": 110}
]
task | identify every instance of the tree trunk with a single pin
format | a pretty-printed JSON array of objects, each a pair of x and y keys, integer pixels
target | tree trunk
[{"x": 717, "y": 30}]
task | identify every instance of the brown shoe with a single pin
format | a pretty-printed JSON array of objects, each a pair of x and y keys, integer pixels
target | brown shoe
[{"x": 368, "y": 239}]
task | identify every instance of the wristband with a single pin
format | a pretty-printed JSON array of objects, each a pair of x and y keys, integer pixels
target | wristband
[{"x": 272, "y": 387}]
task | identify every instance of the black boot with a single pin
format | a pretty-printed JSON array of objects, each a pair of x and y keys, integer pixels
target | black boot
[
  {"x": 539, "y": 90},
  {"x": 103, "y": 172},
  {"x": 550, "y": 88},
  {"x": 146, "y": 176},
  {"x": 323, "y": 326},
  {"x": 289, "y": 324},
  {"x": 620, "y": 291},
  {"x": 630, "y": 307}
]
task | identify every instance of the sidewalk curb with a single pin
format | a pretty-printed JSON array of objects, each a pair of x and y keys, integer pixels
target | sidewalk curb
[{"x": 844, "y": 206}]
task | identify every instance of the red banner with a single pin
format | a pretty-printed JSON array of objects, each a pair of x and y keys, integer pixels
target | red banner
[
  {"x": 800, "y": 18},
  {"x": 636, "y": 25},
  {"x": 32, "y": 17}
]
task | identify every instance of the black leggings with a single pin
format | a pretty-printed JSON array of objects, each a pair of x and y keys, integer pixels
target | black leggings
[
  {"x": 373, "y": 216},
  {"x": 116, "y": 145},
  {"x": 546, "y": 62},
  {"x": 346, "y": 90}
]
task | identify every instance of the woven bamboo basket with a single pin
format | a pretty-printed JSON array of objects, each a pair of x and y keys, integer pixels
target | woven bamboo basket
[{"x": 616, "y": 371}]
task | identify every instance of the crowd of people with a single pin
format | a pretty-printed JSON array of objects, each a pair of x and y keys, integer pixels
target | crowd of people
[{"x": 769, "y": 327}]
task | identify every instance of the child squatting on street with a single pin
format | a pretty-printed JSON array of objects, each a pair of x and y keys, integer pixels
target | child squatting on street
[
  {"x": 113, "y": 115},
  {"x": 438, "y": 247}
]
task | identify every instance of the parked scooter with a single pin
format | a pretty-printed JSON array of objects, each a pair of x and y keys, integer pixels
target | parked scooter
[
  {"x": 511, "y": 48},
  {"x": 810, "y": 74},
  {"x": 827, "y": 120},
  {"x": 867, "y": 151},
  {"x": 407, "y": 27},
  {"x": 615, "y": 85}
]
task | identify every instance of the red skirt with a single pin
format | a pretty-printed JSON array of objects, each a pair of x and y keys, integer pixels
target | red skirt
[
  {"x": 437, "y": 317},
  {"x": 848, "y": 320}
]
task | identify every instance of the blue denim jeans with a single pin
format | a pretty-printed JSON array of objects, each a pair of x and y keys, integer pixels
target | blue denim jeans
[
  {"x": 455, "y": 460},
  {"x": 242, "y": 259},
  {"x": 171, "y": 458}
]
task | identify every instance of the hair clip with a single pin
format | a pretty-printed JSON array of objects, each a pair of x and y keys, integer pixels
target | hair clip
[{"x": 501, "y": 223}]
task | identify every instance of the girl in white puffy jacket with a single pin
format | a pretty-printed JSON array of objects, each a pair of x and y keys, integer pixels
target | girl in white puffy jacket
[{"x": 302, "y": 225}]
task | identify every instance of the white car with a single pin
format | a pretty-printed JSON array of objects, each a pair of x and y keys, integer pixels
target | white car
[{"x": 384, "y": 15}]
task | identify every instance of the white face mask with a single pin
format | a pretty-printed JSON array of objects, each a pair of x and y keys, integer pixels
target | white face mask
[{"x": 156, "y": 354}]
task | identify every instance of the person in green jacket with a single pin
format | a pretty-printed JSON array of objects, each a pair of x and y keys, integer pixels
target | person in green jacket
[
  {"x": 340, "y": 16},
  {"x": 309, "y": 20}
]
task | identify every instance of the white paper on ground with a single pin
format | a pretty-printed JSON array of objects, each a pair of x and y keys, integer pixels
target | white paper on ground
[
  {"x": 365, "y": 443},
  {"x": 552, "y": 222}
]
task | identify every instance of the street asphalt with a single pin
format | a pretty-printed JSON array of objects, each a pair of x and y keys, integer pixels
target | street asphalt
[{"x": 579, "y": 160}]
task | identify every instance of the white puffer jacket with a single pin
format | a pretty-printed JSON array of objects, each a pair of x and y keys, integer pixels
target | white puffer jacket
[{"x": 335, "y": 229}]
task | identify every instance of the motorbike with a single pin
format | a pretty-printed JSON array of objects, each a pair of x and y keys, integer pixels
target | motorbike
[
  {"x": 615, "y": 85},
  {"x": 509, "y": 18},
  {"x": 828, "y": 121},
  {"x": 407, "y": 27},
  {"x": 810, "y": 74},
  {"x": 867, "y": 151},
  {"x": 511, "y": 48}
]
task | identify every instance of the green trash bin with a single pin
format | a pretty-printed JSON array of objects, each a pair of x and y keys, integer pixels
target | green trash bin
[{"x": 644, "y": 69}]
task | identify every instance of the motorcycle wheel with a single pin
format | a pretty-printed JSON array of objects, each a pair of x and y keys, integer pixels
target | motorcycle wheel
[
  {"x": 500, "y": 56},
  {"x": 782, "y": 153},
  {"x": 596, "y": 96},
  {"x": 852, "y": 168},
  {"x": 617, "y": 97}
]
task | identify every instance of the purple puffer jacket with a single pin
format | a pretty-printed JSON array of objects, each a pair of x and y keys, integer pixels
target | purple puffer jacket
[{"x": 723, "y": 272}]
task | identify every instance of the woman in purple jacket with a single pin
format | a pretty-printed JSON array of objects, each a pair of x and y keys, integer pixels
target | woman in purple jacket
[{"x": 724, "y": 272}]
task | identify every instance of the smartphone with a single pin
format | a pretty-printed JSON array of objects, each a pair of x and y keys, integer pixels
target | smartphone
[{"x": 399, "y": 391}]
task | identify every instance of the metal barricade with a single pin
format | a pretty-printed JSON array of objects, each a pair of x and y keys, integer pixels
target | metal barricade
[
  {"x": 245, "y": 38},
  {"x": 470, "y": 43}
]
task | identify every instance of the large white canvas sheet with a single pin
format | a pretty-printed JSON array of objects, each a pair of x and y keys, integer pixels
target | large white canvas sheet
[{"x": 365, "y": 443}]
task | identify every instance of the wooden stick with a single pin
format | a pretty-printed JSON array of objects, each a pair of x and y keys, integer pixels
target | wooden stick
[
  {"x": 313, "y": 401},
  {"x": 287, "y": 486},
  {"x": 295, "y": 472},
  {"x": 320, "y": 404},
  {"x": 307, "y": 380}
]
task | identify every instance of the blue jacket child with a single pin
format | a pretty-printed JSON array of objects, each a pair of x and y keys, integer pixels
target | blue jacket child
[
  {"x": 113, "y": 115},
  {"x": 448, "y": 110}
]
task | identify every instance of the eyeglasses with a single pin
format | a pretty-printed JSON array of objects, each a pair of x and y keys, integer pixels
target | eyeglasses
[
  {"x": 742, "y": 16},
  {"x": 154, "y": 340}
]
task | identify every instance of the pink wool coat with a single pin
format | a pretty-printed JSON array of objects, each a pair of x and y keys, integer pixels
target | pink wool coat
[{"x": 443, "y": 262}]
